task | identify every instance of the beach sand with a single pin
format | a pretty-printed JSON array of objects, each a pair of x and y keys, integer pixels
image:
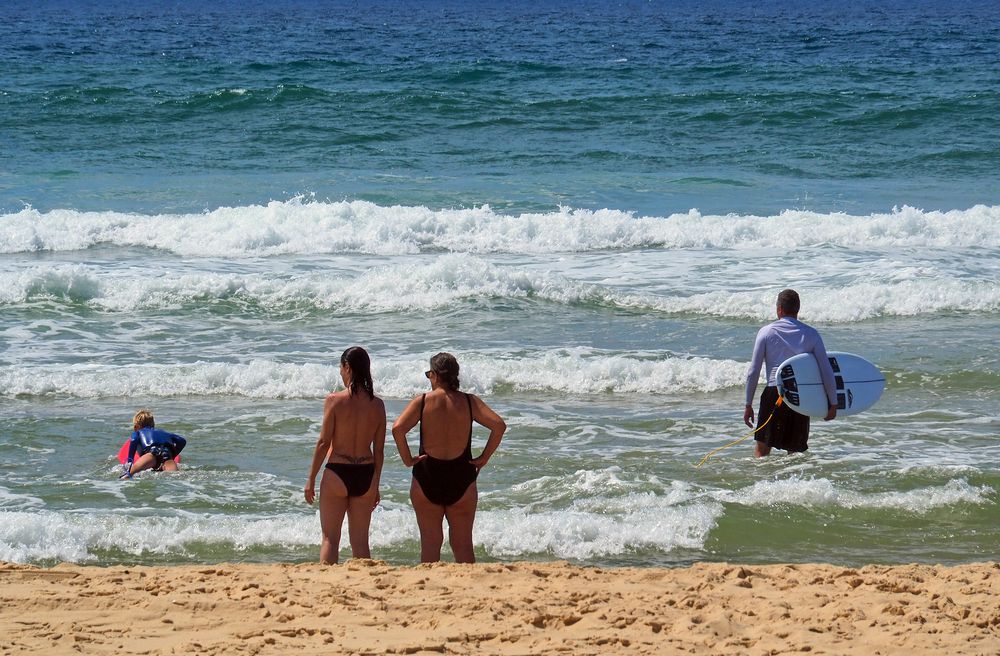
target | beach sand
[{"x": 369, "y": 607}]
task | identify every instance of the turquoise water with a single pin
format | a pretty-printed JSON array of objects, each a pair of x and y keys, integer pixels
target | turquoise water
[{"x": 592, "y": 206}]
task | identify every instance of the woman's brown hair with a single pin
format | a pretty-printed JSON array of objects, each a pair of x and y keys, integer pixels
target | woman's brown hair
[{"x": 446, "y": 367}]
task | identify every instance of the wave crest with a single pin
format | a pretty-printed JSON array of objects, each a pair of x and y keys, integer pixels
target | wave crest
[
  {"x": 449, "y": 280},
  {"x": 301, "y": 226},
  {"x": 568, "y": 371}
]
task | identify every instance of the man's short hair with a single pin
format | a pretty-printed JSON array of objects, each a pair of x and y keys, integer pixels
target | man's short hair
[{"x": 788, "y": 301}]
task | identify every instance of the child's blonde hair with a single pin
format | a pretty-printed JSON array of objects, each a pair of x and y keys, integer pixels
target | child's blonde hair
[{"x": 143, "y": 419}]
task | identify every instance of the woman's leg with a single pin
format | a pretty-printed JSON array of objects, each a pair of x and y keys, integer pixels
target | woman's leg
[
  {"x": 429, "y": 520},
  {"x": 333, "y": 502},
  {"x": 359, "y": 519},
  {"x": 461, "y": 515}
]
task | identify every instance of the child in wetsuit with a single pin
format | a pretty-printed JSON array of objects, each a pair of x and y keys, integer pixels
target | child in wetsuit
[{"x": 155, "y": 448}]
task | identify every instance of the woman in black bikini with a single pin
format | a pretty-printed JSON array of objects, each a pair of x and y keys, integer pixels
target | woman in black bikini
[
  {"x": 352, "y": 440},
  {"x": 444, "y": 472}
]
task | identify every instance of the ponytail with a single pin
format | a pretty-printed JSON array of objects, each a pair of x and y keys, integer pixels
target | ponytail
[
  {"x": 361, "y": 370},
  {"x": 446, "y": 367}
]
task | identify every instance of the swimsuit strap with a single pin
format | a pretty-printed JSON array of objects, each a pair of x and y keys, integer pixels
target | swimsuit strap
[
  {"x": 421, "y": 422},
  {"x": 468, "y": 447}
]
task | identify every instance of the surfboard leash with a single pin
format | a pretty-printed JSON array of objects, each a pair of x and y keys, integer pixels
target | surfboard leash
[{"x": 750, "y": 434}]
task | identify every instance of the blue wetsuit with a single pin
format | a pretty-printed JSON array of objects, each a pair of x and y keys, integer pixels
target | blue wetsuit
[{"x": 163, "y": 445}]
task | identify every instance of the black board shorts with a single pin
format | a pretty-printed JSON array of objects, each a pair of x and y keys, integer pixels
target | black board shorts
[{"x": 788, "y": 429}]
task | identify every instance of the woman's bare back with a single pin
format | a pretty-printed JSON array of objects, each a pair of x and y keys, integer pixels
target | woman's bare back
[
  {"x": 446, "y": 423},
  {"x": 357, "y": 419}
]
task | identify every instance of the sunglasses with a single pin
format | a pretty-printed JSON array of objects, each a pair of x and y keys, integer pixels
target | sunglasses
[{"x": 427, "y": 374}]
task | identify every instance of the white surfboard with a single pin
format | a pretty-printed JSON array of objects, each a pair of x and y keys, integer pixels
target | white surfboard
[{"x": 859, "y": 384}]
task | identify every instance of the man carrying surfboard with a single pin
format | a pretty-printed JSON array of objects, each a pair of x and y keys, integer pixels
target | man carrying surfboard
[{"x": 775, "y": 343}]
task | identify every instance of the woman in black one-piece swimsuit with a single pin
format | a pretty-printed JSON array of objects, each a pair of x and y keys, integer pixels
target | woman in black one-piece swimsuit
[{"x": 444, "y": 472}]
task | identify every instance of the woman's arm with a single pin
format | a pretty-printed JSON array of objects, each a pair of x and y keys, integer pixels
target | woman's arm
[
  {"x": 323, "y": 445},
  {"x": 403, "y": 425},
  {"x": 484, "y": 414},
  {"x": 378, "y": 452}
]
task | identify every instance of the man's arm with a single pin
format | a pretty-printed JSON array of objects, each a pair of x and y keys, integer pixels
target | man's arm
[
  {"x": 753, "y": 377},
  {"x": 826, "y": 373}
]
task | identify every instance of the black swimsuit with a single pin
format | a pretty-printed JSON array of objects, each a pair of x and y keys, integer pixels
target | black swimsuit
[
  {"x": 444, "y": 482},
  {"x": 357, "y": 478}
]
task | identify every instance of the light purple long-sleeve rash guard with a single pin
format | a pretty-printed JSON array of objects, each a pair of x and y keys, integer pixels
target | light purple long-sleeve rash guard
[{"x": 780, "y": 340}]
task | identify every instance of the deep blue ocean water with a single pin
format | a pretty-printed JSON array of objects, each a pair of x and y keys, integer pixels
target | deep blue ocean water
[
  {"x": 592, "y": 204},
  {"x": 653, "y": 107}
]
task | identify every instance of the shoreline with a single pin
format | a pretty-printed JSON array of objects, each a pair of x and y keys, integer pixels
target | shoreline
[{"x": 370, "y": 607}]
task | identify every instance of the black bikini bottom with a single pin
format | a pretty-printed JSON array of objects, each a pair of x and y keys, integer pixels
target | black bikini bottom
[
  {"x": 357, "y": 478},
  {"x": 445, "y": 481}
]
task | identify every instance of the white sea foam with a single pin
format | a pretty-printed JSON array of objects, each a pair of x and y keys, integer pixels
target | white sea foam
[
  {"x": 592, "y": 513},
  {"x": 452, "y": 279},
  {"x": 808, "y": 492},
  {"x": 28, "y": 537},
  {"x": 300, "y": 226},
  {"x": 650, "y": 522},
  {"x": 72, "y": 537},
  {"x": 581, "y": 525},
  {"x": 579, "y": 371},
  {"x": 601, "y": 490}
]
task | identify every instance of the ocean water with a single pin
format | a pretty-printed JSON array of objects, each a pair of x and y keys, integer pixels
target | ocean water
[{"x": 592, "y": 205}]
